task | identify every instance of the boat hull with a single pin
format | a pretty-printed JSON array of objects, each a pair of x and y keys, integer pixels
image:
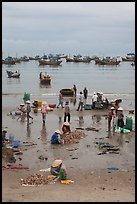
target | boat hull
[
  {"x": 44, "y": 62},
  {"x": 67, "y": 92}
]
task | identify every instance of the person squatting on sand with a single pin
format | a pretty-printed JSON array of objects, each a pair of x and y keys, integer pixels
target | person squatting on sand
[
  {"x": 58, "y": 169},
  {"x": 55, "y": 138},
  {"x": 66, "y": 127}
]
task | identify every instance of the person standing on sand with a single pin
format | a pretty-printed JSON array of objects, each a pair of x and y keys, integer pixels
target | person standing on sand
[
  {"x": 67, "y": 112},
  {"x": 94, "y": 100},
  {"x": 75, "y": 90},
  {"x": 44, "y": 111},
  {"x": 60, "y": 100},
  {"x": 80, "y": 105},
  {"x": 110, "y": 115},
  {"x": 28, "y": 109},
  {"x": 120, "y": 117},
  {"x": 85, "y": 92}
]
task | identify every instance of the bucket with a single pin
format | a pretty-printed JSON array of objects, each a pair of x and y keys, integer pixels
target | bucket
[
  {"x": 26, "y": 96},
  {"x": 62, "y": 175},
  {"x": 39, "y": 103},
  {"x": 16, "y": 143},
  {"x": 129, "y": 123}
]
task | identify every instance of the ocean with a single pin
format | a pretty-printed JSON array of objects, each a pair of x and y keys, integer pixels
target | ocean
[{"x": 113, "y": 81}]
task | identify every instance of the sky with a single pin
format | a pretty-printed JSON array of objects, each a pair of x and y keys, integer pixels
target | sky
[{"x": 87, "y": 28}]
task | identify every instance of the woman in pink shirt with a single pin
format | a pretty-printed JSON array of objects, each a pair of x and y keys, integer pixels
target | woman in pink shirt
[{"x": 44, "y": 111}]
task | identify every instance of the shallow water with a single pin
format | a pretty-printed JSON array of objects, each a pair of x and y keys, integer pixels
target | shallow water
[{"x": 113, "y": 81}]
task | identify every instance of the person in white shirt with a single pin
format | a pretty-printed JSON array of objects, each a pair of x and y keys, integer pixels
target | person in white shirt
[
  {"x": 94, "y": 100},
  {"x": 81, "y": 99}
]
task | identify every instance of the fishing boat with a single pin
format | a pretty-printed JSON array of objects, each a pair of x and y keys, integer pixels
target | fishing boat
[
  {"x": 24, "y": 59},
  {"x": 68, "y": 59},
  {"x": 16, "y": 60},
  {"x": 45, "y": 78},
  {"x": 130, "y": 57},
  {"x": 9, "y": 61},
  {"x": 85, "y": 59},
  {"x": 50, "y": 61},
  {"x": 67, "y": 92},
  {"x": 13, "y": 74},
  {"x": 107, "y": 61}
]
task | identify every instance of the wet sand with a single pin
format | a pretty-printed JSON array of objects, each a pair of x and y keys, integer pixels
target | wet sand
[{"x": 93, "y": 182}]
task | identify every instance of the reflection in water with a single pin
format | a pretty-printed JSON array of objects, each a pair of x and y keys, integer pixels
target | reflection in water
[
  {"x": 28, "y": 130},
  {"x": 60, "y": 122},
  {"x": 43, "y": 133},
  {"x": 73, "y": 100},
  {"x": 96, "y": 119},
  {"x": 81, "y": 120},
  {"x": 22, "y": 118},
  {"x": 16, "y": 81},
  {"x": 117, "y": 138},
  {"x": 44, "y": 85}
]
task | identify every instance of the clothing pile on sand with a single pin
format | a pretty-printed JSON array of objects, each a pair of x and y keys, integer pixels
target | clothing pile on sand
[{"x": 73, "y": 137}]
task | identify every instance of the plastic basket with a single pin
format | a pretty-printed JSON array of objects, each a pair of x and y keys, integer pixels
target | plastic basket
[{"x": 16, "y": 143}]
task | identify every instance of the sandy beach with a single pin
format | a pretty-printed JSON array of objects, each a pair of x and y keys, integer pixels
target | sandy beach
[{"x": 93, "y": 181}]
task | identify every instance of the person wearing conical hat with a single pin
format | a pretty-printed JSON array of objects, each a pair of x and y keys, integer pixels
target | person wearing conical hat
[
  {"x": 66, "y": 127},
  {"x": 58, "y": 169},
  {"x": 94, "y": 100},
  {"x": 55, "y": 138}
]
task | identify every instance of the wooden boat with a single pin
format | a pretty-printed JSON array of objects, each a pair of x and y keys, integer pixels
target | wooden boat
[
  {"x": 51, "y": 61},
  {"x": 130, "y": 57},
  {"x": 67, "y": 92},
  {"x": 17, "y": 60},
  {"x": 69, "y": 59},
  {"x": 37, "y": 57},
  {"x": 13, "y": 74},
  {"x": 84, "y": 59},
  {"x": 45, "y": 78},
  {"x": 107, "y": 62},
  {"x": 9, "y": 61},
  {"x": 24, "y": 59}
]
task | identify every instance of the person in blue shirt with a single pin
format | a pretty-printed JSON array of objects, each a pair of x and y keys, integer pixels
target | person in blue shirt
[{"x": 55, "y": 138}]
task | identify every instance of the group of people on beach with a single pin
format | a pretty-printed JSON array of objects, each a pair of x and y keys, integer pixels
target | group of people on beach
[{"x": 115, "y": 114}]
